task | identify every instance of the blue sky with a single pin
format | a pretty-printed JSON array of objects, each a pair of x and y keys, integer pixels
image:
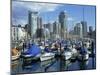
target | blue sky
[{"x": 49, "y": 12}]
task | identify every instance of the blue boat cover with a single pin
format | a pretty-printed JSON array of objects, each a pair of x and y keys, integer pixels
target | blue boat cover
[
  {"x": 47, "y": 49},
  {"x": 83, "y": 50},
  {"x": 33, "y": 50}
]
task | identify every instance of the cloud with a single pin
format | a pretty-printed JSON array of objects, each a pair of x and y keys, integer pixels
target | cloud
[
  {"x": 33, "y": 6},
  {"x": 20, "y": 10},
  {"x": 70, "y": 19}
]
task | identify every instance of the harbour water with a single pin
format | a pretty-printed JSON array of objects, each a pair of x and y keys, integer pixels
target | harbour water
[{"x": 54, "y": 65}]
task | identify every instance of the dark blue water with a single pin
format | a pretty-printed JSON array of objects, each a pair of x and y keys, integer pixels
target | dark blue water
[{"x": 53, "y": 65}]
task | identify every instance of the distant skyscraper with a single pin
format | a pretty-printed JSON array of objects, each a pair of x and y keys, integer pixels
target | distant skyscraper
[
  {"x": 56, "y": 29},
  {"x": 32, "y": 19},
  {"x": 90, "y": 29},
  {"x": 39, "y": 22},
  {"x": 49, "y": 26},
  {"x": 62, "y": 21},
  {"x": 45, "y": 26},
  {"x": 84, "y": 28},
  {"x": 78, "y": 29}
]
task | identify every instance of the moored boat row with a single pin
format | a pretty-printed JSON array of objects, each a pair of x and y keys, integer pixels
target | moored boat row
[{"x": 46, "y": 51}]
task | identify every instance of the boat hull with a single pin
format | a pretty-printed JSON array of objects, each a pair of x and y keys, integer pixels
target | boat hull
[
  {"x": 30, "y": 57},
  {"x": 67, "y": 55},
  {"x": 47, "y": 56},
  {"x": 83, "y": 57},
  {"x": 16, "y": 56}
]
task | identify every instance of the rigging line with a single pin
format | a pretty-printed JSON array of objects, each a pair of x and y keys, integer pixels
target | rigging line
[{"x": 83, "y": 13}]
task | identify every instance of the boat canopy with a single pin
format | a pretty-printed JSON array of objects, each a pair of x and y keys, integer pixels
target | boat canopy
[
  {"x": 83, "y": 50},
  {"x": 33, "y": 50}
]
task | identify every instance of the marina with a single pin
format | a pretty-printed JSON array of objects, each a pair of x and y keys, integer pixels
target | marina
[
  {"x": 39, "y": 58},
  {"x": 59, "y": 38}
]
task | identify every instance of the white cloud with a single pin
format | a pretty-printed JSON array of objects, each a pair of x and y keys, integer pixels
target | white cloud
[
  {"x": 70, "y": 19},
  {"x": 19, "y": 16},
  {"x": 17, "y": 10},
  {"x": 33, "y": 6}
]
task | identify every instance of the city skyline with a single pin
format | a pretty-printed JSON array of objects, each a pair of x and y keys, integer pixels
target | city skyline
[{"x": 51, "y": 11}]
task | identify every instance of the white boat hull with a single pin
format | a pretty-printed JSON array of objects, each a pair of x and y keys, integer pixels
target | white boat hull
[
  {"x": 67, "y": 55},
  {"x": 47, "y": 62},
  {"x": 30, "y": 57},
  {"x": 74, "y": 54},
  {"x": 85, "y": 57},
  {"x": 47, "y": 56}
]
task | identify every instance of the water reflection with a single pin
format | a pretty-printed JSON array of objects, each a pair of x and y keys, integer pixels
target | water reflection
[
  {"x": 83, "y": 65},
  {"x": 15, "y": 66},
  {"x": 30, "y": 66},
  {"x": 57, "y": 64},
  {"x": 45, "y": 65}
]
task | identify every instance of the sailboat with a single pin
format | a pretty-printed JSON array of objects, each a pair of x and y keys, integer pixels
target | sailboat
[
  {"x": 83, "y": 55},
  {"x": 68, "y": 53},
  {"x": 33, "y": 52},
  {"x": 47, "y": 55},
  {"x": 15, "y": 54},
  {"x": 74, "y": 53}
]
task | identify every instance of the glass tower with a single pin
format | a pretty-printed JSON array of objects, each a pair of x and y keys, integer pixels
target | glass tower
[{"x": 33, "y": 16}]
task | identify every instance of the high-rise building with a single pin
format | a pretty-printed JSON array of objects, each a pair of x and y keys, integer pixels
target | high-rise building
[
  {"x": 84, "y": 28},
  {"x": 32, "y": 19},
  {"x": 62, "y": 21},
  {"x": 91, "y": 32},
  {"x": 56, "y": 29},
  {"x": 78, "y": 30},
  {"x": 90, "y": 29},
  {"x": 49, "y": 26},
  {"x": 39, "y": 22}
]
